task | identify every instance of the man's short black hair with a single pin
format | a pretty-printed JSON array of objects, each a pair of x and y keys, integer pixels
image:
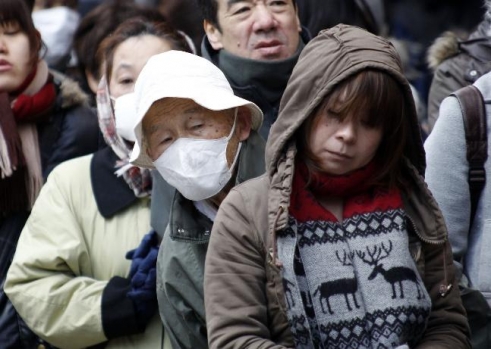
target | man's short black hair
[{"x": 209, "y": 10}]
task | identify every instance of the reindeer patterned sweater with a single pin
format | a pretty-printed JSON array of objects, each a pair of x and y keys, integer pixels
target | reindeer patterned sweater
[{"x": 350, "y": 284}]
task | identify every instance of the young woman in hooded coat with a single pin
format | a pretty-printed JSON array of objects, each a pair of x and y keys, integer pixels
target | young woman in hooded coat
[{"x": 340, "y": 243}]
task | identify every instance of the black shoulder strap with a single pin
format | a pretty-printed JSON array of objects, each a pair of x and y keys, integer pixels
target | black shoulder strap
[{"x": 476, "y": 137}]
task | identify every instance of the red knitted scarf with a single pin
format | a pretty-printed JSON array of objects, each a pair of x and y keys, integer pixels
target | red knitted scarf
[
  {"x": 359, "y": 196},
  {"x": 24, "y": 108}
]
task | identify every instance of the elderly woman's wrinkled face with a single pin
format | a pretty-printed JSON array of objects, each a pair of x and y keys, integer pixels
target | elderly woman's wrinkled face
[
  {"x": 129, "y": 59},
  {"x": 172, "y": 118},
  {"x": 15, "y": 57}
]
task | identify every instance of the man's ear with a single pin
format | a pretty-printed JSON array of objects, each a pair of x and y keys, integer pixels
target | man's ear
[
  {"x": 214, "y": 35},
  {"x": 244, "y": 123},
  {"x": 299, "y": 25},
  {"x": 295, "y": 8}
]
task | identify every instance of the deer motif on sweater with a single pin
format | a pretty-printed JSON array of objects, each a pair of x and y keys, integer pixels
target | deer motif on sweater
[
  {"x": 343, "y": 286},
  {"x": 394, "y": 275}
]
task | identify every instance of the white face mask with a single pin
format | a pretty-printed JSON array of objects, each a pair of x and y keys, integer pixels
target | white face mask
[
  {"x": 57, "y": 26},
  {"x": 197, "y": 168},
  {"x": 125, "y": 115}
]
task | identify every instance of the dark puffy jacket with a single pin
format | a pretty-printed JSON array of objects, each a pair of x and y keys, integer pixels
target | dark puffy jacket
[{"x": 72, "y": 130}]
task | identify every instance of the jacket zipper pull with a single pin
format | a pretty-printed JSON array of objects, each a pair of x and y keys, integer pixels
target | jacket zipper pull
[
  {"x": 274, "y": 260},
  {"x": 444, "y": 289},
  {"x": 274, "y": 251}
]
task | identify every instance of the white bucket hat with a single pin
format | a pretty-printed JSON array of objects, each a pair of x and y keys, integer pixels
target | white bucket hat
[{"x": 180, "y": 74}]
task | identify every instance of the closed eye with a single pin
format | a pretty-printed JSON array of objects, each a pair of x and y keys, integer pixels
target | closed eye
[
  {"x": 241, "y": 10},
  {"x": 333, "y": 115},
  {"x": 196, "y": 127},
  {"x": 166, "y": 140},
  {"x": 11, "y": 32},
  {"x": 10, "y": 28},
  {"x": 278, "y": 3},
  {"x": 126, "y": 81}
]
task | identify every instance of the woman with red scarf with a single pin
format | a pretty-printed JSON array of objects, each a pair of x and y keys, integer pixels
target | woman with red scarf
[
  {"x": 84, "y": 273},
  {"x": 340, "y": 244},
  {"x": 44, "y": 120}
]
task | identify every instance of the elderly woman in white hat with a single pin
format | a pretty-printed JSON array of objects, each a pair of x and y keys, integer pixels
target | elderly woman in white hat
[{"x": 202, "y": 140}]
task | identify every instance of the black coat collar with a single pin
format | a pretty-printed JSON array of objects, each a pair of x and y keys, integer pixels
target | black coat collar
[{"x": 111, "y": 193}]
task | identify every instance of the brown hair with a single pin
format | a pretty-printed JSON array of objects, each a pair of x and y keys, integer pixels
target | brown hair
[
  {"x": 30, "y": 4},
  {"x": 136, "y": 27},
  {"x": 100, "y": 23},
  {"x": 17, "y": 12},
  {"x": 42, "y": 4},
  {"x": 374, "y": 94}
]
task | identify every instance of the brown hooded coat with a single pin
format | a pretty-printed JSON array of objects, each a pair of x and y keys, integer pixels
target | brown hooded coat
[{"x": 244, "y": 296}]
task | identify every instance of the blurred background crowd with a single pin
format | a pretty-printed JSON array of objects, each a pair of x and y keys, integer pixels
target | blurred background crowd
[{"x": 425, "y": 33}]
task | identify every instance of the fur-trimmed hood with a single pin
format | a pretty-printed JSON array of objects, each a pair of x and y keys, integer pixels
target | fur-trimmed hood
[
  {"x": 445, "y": 46},
  {"x": 71, "y": 93},
  {"x": 487, "y": 4},
  {"x": 449, "y": 43}
]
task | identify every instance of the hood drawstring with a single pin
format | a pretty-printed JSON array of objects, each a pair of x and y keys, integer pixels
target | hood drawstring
[{"x": 274, "y": 253}]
